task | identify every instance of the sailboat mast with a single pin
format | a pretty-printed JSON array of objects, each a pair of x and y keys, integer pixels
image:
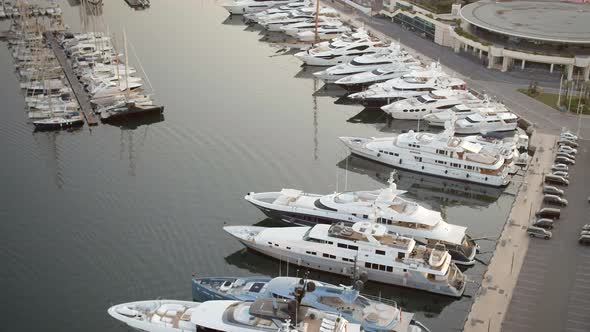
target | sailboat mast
[
  {"x": 126, "y": 63},
  {"x": 317, "y": 13}
]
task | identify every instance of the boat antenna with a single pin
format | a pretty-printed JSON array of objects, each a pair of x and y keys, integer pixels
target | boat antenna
[{"x": 141, "y": 67}]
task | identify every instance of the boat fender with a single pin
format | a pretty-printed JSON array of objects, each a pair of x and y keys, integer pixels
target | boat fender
[
  {"x": 378, "y": 154},
  {"x": 467, "y": 175},
  {"x": 446, "y": 171}
]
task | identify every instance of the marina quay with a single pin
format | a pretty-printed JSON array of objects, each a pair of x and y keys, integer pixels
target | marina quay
[{"x": 295, "y": 165}]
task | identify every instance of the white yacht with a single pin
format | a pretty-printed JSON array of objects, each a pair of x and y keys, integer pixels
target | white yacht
[
  {"x": 383, "y": 206},
  {"x": 487, "y": 123},
  {"x": 461, "y": 111},
  {"x": 282, "y": 10},
  {"x": 274, "y": 22},
  {"x": 440, "y": 154},
  {"x": 310, "y": 25},
  {"x": 323, "y": 33},
  {"x": 358, "y": 82},
  {"x": 319, "y": 56},
  {"x": 433, "y": 102},
  {"x": 233, "y": 316},
  {"x": 388, "y": 56},
  {"x": 365, "y": 246},
  {"x": 240, "y": 7},
  {"x": 409, "y": 85}
]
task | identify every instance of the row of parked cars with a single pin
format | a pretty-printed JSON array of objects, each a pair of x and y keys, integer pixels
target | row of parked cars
[{"x": 565, "y": 157}]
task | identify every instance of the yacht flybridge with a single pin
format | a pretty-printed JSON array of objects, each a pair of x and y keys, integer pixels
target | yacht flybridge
[
  {"x": 323, "y": 33},
  {"x": 322, "y": 56},
  {"x": 433, "y": 102},
  {"x": 383, "y": 206},
  {"x": 310, "y": 25},
  {"x": 410, "y": 85},
  {"x": 390, "y": 56},
  {"x": 461, "y": 111},
  {"x": 373, "y": 315},
  {"x": 364, "y": 246},
  {"x": 269, "y": 315},
  {"x": 440, "y": 154}
]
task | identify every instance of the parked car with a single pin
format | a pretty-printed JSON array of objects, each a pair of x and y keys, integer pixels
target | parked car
[
  {"x": 563, "y": 174},
  {"x": 539, "y": 232},
  {"x": 546, "y": 212},
  {"x": 553, "y": 190},
  {"x": 565, "y": 160},
  {"x": 567, "y": 142},
  {"x": 585, "y": 240},
  {"x": 565, "y": 154},
  {"x": 544, "y": 223},
  {"x": 567, "y": 149},
  {"x": 586, "y": 227},
  {"x": 554, "y": 199},
  {"x": 568, "y": 135},
  {"x": 556, "y": 179},
  {"x": 560, "y": 167}
]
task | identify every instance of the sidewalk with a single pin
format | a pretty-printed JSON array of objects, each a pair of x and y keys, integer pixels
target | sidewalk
[{"x": 493, "y": 297}]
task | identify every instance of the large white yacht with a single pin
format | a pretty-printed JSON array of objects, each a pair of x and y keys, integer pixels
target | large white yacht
[
  {"x": 323, "y": 33},
  {"x": 282, "y": 10},
  {"x": 310, "y": 25},
  {"x": 266, "y": 314},
  {"x": 364, "y": 246},
  {"x": 433, "y": 102},
  {"x": 487, "y": 123},
  {"x": 409, "y": 85},
  {"x": 440, "y": 154},
  {"x": 389, "y": 56},
  {"x": 358, "y": 82},
  {"x": 320, "y": 56},
  {"x": 461, "y": 111},
  {"x": 240, "y": 7},
  {"x": 383, "y": 206},
  {"x": 274, "y": 22}
]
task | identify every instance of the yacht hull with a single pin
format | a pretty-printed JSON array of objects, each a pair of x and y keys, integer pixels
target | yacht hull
[
  {"x": 409, "y": 279},
  {"x": 132, "y": 112},
  {"x": 458, "y": 253},
  {"x": 419, "y": 167}
]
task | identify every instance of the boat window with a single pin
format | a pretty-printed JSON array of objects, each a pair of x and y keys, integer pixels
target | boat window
[
  {"x": 311, "y": 253},
  {"x": 353, "y": 247},
  {"x": 401, "y": 255},
  {"x": 256, "y": 287},
  {"x": 342, "y": 245},
  {"x": 375, "y": 266},
  {"x": 360, "y": 48},
  {"x": 380, "y": 252},
  {"x": 381, "y": 267},
  {"x": 368, "y": 265},
  {"x": 390, "y": 269}
]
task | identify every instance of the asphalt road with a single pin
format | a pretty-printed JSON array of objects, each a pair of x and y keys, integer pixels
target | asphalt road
[
  {"x": 501, "y": 86},
  {"x": 553, "y": 288}
]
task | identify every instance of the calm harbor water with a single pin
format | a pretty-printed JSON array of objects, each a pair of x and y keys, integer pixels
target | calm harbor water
[{"x": 106, "y": 215}]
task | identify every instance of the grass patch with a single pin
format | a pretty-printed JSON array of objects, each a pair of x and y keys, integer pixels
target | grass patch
[{"x": 550, "y": 99}]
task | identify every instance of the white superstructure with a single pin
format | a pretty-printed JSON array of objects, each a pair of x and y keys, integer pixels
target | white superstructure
[
  {"x": 440, "y": 154},
  {"x": 433, "y": 102},
  {"x": 271, "y": 315},
  {"x": 383, "y": 206},
  {"x": 240, "y": 7},
  {"x": 341, "y": 249},
  {"x": 487, "y": 123},
  {"x": 461, "y": 111},
  {"x": 409, "y": 85}
]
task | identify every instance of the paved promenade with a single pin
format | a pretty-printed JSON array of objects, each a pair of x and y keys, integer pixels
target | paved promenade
[
  {"x": 502, "y": 86},
  {"x": 493, "y": 298}
]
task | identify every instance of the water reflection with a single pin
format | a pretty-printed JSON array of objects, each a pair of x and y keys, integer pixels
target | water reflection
[
  {"x": 234, "y": 20},
  {"x": 430, "y": 305},
  {"x": 446, "y": 192},
  {"x": 134, "y": 123}
]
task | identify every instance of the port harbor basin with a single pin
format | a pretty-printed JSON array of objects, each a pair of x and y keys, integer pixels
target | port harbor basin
[{"x": 113, "y": 214}]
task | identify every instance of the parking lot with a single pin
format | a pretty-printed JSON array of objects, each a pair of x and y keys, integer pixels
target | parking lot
[{"x": 553, "y": 288}]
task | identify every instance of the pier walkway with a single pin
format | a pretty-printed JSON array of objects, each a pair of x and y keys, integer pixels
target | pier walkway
[
  {"x": 497, "y": 289},
  {"x": 79, "y": 92}
]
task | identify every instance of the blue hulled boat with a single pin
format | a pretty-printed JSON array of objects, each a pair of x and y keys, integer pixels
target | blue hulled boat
[{"x": 373, "y": 315}]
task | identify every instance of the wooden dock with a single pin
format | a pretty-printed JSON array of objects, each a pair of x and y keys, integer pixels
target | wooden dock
[{"x": 77, "y": 88}]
